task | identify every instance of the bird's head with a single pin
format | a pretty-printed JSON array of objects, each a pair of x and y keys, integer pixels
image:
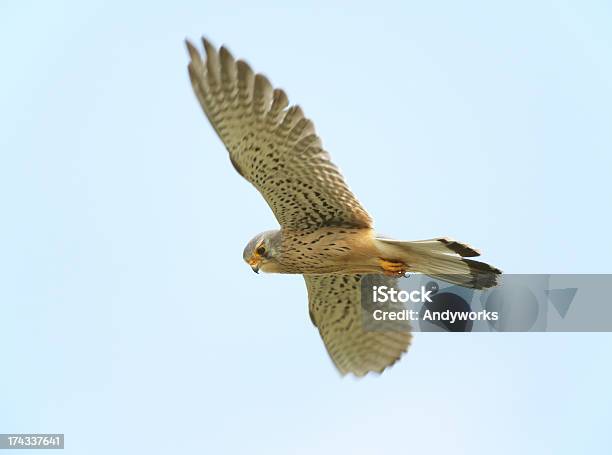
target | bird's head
[{"x": 262, "y": 252}]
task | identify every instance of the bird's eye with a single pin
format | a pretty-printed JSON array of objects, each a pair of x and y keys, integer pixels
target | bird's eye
[{"x": 261, "y": 250}]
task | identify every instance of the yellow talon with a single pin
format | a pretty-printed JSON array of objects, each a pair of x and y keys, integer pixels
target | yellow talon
[{"x": 392, "y": 268}]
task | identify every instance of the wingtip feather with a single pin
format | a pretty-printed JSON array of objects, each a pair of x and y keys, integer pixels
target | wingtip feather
[{"x": 192, "y": 50}]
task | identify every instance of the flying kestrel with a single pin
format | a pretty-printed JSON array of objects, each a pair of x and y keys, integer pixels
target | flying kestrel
[{"x": 325, "y": 234}]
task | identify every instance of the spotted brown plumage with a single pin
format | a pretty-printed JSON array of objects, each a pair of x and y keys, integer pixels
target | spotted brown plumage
[
  {"x": 335, "y": 309},
  {"x": 271, "y": 145},
  {"x": 325, "y": 235}
]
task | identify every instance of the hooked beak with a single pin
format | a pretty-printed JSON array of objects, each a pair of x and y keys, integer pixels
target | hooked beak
[{"x": 254, "y": 263}]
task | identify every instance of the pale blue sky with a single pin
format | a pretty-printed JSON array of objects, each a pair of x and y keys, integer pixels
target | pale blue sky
[{"x": 128, "y": 320}]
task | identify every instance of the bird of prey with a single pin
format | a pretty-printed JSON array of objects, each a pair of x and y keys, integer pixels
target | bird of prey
[{"x": 325, "y": 234}]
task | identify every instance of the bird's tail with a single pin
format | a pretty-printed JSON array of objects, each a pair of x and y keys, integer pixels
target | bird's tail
[{"x": 441, "y": 258}]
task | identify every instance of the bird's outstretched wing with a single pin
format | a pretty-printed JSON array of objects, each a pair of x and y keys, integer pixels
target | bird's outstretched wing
[
  {"x": 271, "y": 145},
  {"x": 335, "y": 307}
]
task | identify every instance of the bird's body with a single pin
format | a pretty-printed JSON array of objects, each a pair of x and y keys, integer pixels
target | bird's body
[
  {"x": 325, "y": 235},
  {"x": 344, "y": 250},
  {"x": 325, "y": 250}
]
